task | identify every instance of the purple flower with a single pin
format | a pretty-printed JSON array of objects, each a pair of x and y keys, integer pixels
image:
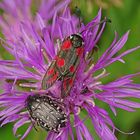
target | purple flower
[{"x": 32, "y": 42}]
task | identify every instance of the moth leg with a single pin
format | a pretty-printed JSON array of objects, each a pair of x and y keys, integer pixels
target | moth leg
[
  {"x": 38, "y": 90},
  {"x": 69, "y": 75},
  {"x": 65, "y": 73},
  {"x": 85, "y": 90},
  {"x": 59, "y": 44}
]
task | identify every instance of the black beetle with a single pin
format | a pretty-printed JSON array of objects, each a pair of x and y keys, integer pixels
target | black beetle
[{"x": 46, "y": 112}]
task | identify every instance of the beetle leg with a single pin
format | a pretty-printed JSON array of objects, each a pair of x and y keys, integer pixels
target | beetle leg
[{"x": 33, "y": 123}]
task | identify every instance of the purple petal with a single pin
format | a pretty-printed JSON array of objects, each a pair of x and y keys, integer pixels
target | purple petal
[
  {"x": 19, "y": 124},
  {"x": 101, "y": 122},
  {"x": 27, "y": 132},
  {"x": 10, "y": 119},
  {"x": 81, "y": 128}
]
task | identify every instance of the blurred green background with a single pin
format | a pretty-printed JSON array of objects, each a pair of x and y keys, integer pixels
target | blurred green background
[{"x": 125, "y": 15}]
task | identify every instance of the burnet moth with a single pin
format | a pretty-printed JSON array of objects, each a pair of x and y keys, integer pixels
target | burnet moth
[{"x": 65, "y": 65}]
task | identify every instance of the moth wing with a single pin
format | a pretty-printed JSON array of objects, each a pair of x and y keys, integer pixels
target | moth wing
[
  {"x": 50, "y": 77},
  {"x": 67, "y": 84}
]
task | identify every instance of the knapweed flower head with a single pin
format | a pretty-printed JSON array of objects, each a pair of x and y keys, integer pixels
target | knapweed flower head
[{"x": 32, "y": 41}]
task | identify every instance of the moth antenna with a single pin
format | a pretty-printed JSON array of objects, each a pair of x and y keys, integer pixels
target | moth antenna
[
  {"x": 78, "y": 13},
  {"x": 102, "y": 21}
]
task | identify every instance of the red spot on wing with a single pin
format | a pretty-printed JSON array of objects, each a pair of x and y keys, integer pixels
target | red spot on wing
[
  {"x": 50, "y": 71},
  {"x": 66, "y": 45},
  {"x": 67, "y": 84},
  {"x": 64, "y": 84},
  {"x": 60, "y": 62},
  {"x": 72, "y": 68},
  {"x": 53, "y": 78},
  {"x": 79, "y": 51},
  {"x": 70, "y": 81}
]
